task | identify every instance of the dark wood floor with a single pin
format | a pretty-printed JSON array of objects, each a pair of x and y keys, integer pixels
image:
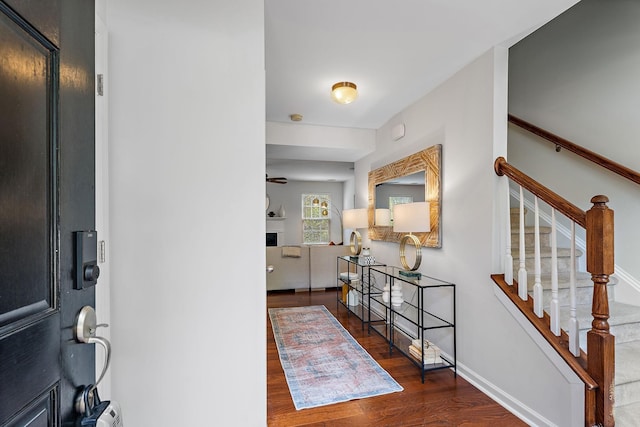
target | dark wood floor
[{"x": 443, "y": 400}]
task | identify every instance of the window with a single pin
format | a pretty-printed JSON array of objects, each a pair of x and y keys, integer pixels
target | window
[{"x": 316, "y": 217}]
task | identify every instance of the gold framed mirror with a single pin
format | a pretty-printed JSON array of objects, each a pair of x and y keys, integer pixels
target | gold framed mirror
[{"x": 427, "y": 161}]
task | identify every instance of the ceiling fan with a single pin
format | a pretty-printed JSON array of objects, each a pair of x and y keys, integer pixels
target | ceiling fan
[{"x": 279, "y": 180}]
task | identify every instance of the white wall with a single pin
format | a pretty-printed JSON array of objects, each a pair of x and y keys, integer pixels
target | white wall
[
  {"x": 589, "y": 96},
  {"x": 290, "y": 197},
  {"x": 467, "y": 115},
  {"x": 187, "y": 212}
]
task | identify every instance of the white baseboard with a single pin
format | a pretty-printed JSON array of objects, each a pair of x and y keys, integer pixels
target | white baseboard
[
  {"x": 510, "y": 403},
  {"x": 507, "y": 401}
]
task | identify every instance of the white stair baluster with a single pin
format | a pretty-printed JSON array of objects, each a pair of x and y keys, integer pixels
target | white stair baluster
[
  {"x": 554, "y": 309},
  {"x": 522, "y": 271},
  {"x": 574, "y": 338},
  {"x": 508, "y": 258},
  {"x": 537, "y": 286}
]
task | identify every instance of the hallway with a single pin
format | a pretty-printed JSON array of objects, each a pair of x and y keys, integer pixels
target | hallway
[{"x": 442, "y": 400}]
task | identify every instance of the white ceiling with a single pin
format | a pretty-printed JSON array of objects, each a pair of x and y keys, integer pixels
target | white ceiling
[{"x": 396, "y": 51}]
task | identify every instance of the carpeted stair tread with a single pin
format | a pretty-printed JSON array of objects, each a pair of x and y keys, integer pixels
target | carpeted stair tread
[
  {"x": 619, "y": 314},
  {"x": 627, "y": 377},
  {"x": 529, "y": 253},
  {"x": 622, "y": 314},
  {"x": 583, "y": 279},
  {"x": 627, "y": 415},
  {"x": 627, "y": 360},
  {"x": 515, "y": 229}
]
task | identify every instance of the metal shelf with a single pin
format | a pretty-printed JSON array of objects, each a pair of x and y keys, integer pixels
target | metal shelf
[
  {"x": 428, "y": 311},
  {"x": 361, "y": 286}
]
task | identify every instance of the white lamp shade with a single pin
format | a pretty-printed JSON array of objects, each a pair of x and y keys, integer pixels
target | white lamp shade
[
  {"x": 383, "y": 217},
  {"x": 411, "y": 217},
  {"x": 355, "y": 218}
]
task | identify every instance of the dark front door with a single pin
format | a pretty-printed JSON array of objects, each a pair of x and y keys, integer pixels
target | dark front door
[{"x": 46, "y": 193}]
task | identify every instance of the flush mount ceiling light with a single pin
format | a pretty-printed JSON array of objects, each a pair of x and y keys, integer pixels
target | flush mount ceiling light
[{"x": 344, "y": 92}]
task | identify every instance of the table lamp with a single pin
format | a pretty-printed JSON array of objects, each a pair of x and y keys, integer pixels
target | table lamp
[
  {"x": 354, "y": 219},
  {"x": 411, "y": 218}
]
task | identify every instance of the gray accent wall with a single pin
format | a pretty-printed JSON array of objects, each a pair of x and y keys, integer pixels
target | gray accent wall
[{"x": 579, "y": 77}]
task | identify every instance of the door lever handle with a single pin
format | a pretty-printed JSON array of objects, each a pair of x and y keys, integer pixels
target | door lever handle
[
  {"x": 85, "y": 332},
  {"x": 107, "y": 348}
]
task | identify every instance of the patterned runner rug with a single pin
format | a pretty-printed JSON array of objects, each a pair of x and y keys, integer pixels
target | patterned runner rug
[{"x": 322, "y": 362}]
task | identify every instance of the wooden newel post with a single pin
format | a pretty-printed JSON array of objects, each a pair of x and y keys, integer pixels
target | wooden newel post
[{"x": 600, "y": 343}]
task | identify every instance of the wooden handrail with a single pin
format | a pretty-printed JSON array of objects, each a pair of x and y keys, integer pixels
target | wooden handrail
[
  {"x": 573, "y": 212},
  {"x": 596, "y": 158}
]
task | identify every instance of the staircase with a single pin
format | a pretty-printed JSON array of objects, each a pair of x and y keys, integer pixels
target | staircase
[{"x": 624, "y": 319}]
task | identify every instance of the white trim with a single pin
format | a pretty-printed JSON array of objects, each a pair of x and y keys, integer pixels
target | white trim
[
  {"x": 103, "y": 290},
  {"x": 504, "y": 399}
]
